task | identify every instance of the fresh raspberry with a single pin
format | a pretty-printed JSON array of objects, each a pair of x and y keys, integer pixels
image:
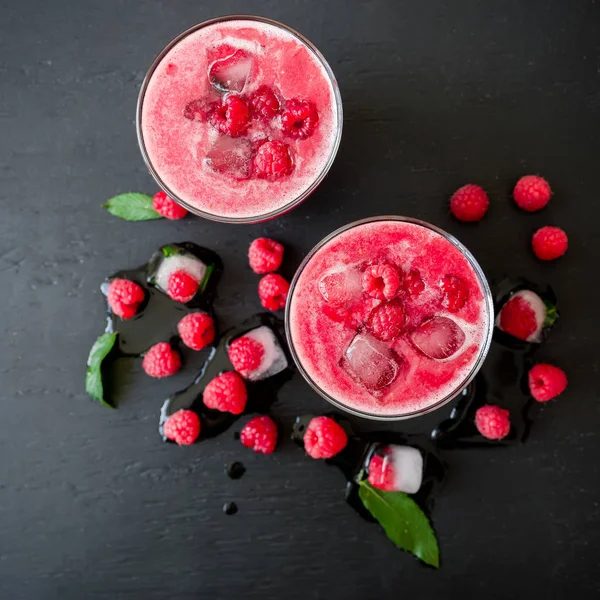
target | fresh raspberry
[
  {"x": 245, "y": 355},
  {"x": 324, "y": 438},
  {"x": 182, "y": 286},
  {"x": 549, "y": 243},
  {"x": 124, "y": 297},
  {"x": 196, "y": 330},
  {"x": 231, "y": 116},
  {"x": 387, "y": 321},
  {"x": 227, "y": 393},
  {"x": 412, "y": 283},
  {"x": 381, "y": 281},
  {"x": 518, "y": 319},
  {"x": 265, "y": 255},
  {"x": 492, "y": 422},
  {"x": 199, "y": 110},
  {"x": 167, "y": 207},
  {"x": 260, "y": 434},
  {"x": 381, "y": 473},
  {"x": 546, "y": 382},
  {"x": 273, "y": 291},
  {"x": 183, "y": 427},
  {"x": 264, "y": 102},
  {"x": 469, "y": 203},
  {"x": 299, "y": 118},
  {"x": 454, "y": 292},
  {"x": 532, "y": 193},
  {"x": 161, "y": 360},
  {"x": 273, "y": 160}
]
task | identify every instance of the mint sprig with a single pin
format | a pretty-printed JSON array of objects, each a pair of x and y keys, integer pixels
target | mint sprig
[
  {"x": 207, "y": 274},
  {"x": 403, "y": 521},
  {"x": 132, "y": 206},
  {"x": 93, "y": 377},
  {"x": 551, "y": 314},
  {"x": 170, "y": 251}
]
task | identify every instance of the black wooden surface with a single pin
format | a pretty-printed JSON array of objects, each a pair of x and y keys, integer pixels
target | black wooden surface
[{"x": 436, "y": 94}]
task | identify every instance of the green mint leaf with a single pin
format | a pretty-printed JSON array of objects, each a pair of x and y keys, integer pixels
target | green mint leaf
[
  {"x": 93, "y": 377},
  {"x": 207, "y": 275},
  {"x": 403, "y": 521},
  {"x": 132, "y": 207},
  {"x": 551, "y": 315},
  {"x": 170, "y": 251}
]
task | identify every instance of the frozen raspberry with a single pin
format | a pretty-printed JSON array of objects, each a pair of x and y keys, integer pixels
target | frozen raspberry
[
  {"x": 264, "y": 102},
  {"x": 124, "y": 297},
  {"x": 161, "y": 360},
  {"x": 182, "y": 286},
  {"x": 227, "y": 393},
  {"x": 546, "y": 382},
  {"x": 245, "y": 355},
  {"x": 549, "y": 243},
  {"x": 273, "y": 160},
  {"x": 518, "y": 318},
  {"x": 265, "y": 255},
  {"x": 412, "y": 283},
  {"x": 260, "y": 434},
  {"x": 381, "y": 281},
  {"x": 231, "y": 116},
  {"x": 299, "y": 118},
  {"x": 469, "y": 203},
  {"x": 454, "y": 292},
  {"x": 167, "y": 207},
  {"x": 199, "y": 110},
  {"x": 182, "y": 427},
  {"x": 381, "y": 473},
  {"x": 532, "y": 193},
  {"x": 196, "y": 330},
  {"x": 492, "y": 422},
  {"x": 273, "y": 291},
  {"x": 387, "y": 321},
  {"x": 324, "y": 438}
]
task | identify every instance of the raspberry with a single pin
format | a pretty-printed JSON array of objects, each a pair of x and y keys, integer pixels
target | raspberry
[
  {"x": 196, "y": 330},
  {"x": 546, "y": 382},
  {"x": 264, "y": 102},
  {"x": 182, "y": 286},
  {"x": 231, "y": 116},
  {"x": 167, "y": 207},
  {"x": 227, "y": 393},
  {"x": 245, "y": 355},
  {"x": 260, "y": 434},
  {"x": 381, "y": 281},
  {"x": 549, "y": 243},
  {"x": 273, "y": 160},
  {"x": 469, "y": 203},
  {"x": 532, "y": 193},
  {"x": 265, "y": 255},
  {"x": 199, "y": 110},
  {"x": 518, "y": 319},
  {"x": 381, "y": 473},
  {"x": 492, "y": 422},
  {"x": 161, "y": 361},
  {"x": 124, "y": 297},
  {"x": 454, "y": 292},
  {"x": 412, "y": 283},
  {"x": 387, "y": 321},
  {"x": 183, "y": 427},
  {"x": 272, "y": 291},
  {"x": 299, "y": 118},
  {"x": 324, "y": 438}
]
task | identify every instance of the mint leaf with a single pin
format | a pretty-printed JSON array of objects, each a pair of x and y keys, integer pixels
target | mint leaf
[
  {"x": 93, "y": 377},
  {"x": 170, "y": 251},
  {"x": 403, "y": 521},
  {"x": 207, "y": 274},
  {"x": 132, "y": 207},
  {"x": 551, "y": 315}
]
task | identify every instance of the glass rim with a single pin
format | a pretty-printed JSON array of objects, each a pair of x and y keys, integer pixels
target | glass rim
[
  {"x": 307, "y": 192},
  {"x": 484, "y": 349}
]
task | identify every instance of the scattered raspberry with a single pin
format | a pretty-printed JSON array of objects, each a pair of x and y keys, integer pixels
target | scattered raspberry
[
  {"x": 492, "y": 422},
  {"x": 260, "y": 434},
  {"x": 272, "y": 291},
  {"x": 264, "y": 102},
  {"x": 518, "y": 319},
  {"x": 161, "y": 361},
  {"x": 387, "y": 321},
  {"x": 227, "y": 393},
  {"x": 381, "y": 473},
  {"x": 182, "y": 286},
  {"x": 381, "y": 281},
  {"x": 199, "y": 110},
  {"x": 167, "y": 207},
  {"x": 265, "y": 255},
  {"x": 546, "y": 382},
  {"x": 124, "y": 297},
  {"x": 273, "y": 160},
  {"x": 412, "y": 283},
  {"x": 549, "y": 243},
  {"x": 183, "y": 427},
  {"x": 299, "y": 118},
  {"x": 469, "y": 203},
  {"x": 245, "y": 355},
  {"x": 454, "y": 292},
  {"x": 196, "y": 330},
  {"x": 324, "y": 438},
  {"x": 231, "y": 116},
  {"x": 532, "y": 193}
]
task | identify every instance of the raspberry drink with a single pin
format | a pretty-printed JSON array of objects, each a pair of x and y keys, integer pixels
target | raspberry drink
[
  {"x": 239, "y": 119},
  {"x": 389, "y": 318}
]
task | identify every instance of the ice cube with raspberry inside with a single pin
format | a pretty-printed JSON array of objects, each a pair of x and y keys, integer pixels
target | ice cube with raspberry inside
[
  {"x": 272, "y": 359},
  {"x": 523, "y": 316},
  {"x": 396, "y": 468},
  {"x": 341, "y": 287},
  {"x": 230, "y": 156},
  {"x": 230, "y": 73},
  {"x": 179, "y": 272},
  {"x": 438, "y": 338}
]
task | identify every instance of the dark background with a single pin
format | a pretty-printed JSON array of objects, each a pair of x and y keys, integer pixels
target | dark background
[{"x": 436, "y": 94}]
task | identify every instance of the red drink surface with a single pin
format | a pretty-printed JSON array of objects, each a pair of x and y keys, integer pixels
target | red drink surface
[
  {"x": 177, "y": 147},
  {"x": 321, "y": 329}
]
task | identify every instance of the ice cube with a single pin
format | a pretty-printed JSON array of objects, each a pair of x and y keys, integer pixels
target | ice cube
[
  {"x": 438, "y": 338},
  {"x": 176, "y": 262},
  {"x": 371, "y": 362},
  {"x": 519, "y": 303},
  {"x": 341, "y": 288},
  {"x": 274, "y": 360},
  {"x": 229, "y": 74},
  {"x": 407, "y": 464},
  {"x": 231, "y": 156}
]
